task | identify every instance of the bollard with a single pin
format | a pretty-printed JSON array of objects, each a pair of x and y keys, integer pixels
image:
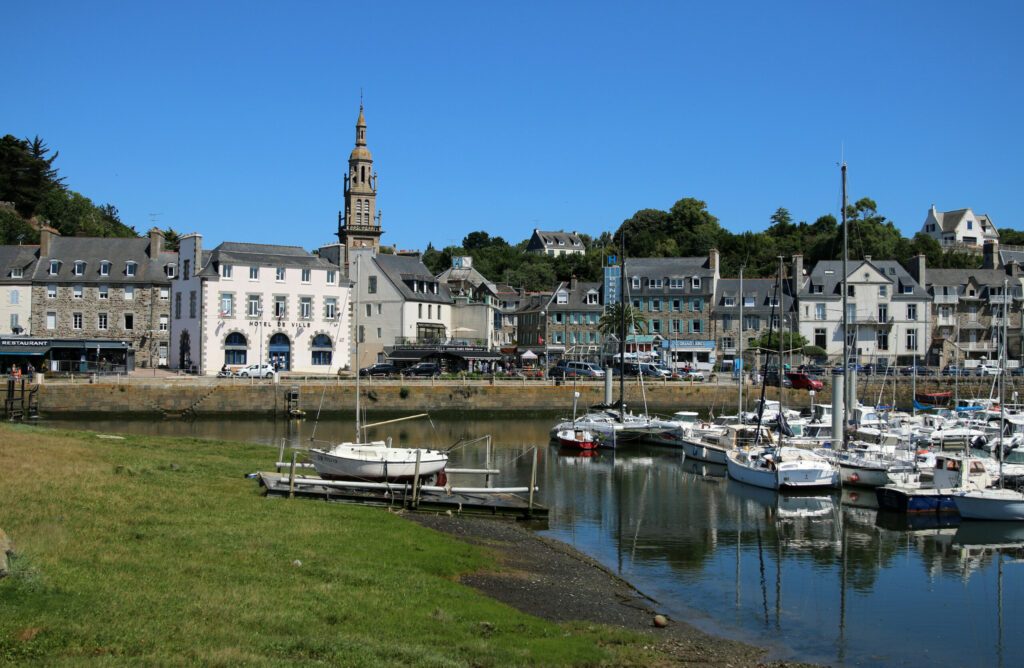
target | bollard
[
  {"x": 291, "y": 477},
  {"x": 416, "y": 480}
]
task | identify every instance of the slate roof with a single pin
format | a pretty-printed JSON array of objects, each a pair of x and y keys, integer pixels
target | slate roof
[
  {"x": 466, "y": 275},
  {"x": 93, "y": 250},
  {"x": 17, "y": 257},
  {"x": 960, "y": 278},
  {"x": 577, "y": 297},
  {"x": 1008, "y": 256},
  {"x": 761, "y": 289},
  {"x": 832, "y": 282},
  {"x": 260, "y": 255},
  {"x": 402, "y": 269},
  {"x": 950, "y": 220},
  {"x": 665, "y": 268},
  {"x": 546, "y": 240}
]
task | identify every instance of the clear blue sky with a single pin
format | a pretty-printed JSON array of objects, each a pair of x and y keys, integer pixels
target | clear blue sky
[{"x": 236, "y": 119}]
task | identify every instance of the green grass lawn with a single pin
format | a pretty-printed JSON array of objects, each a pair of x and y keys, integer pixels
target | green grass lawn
[{"x": 158, "y": 551}]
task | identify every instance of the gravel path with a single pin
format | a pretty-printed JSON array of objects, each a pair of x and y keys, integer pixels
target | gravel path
[{"x": 554, "y": 581}]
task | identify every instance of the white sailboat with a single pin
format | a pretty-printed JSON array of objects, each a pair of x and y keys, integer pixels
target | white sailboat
[{"x": 374, "y": 460}]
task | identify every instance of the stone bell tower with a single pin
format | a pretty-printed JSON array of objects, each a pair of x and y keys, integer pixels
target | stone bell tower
[{"x": 359, "y": 222}]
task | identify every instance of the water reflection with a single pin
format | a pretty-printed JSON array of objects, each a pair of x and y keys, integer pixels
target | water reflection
[{"x": 823, "y": 578}]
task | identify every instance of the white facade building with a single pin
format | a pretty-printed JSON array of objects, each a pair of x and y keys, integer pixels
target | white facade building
[
  {"x": 16, "y": 267},
  {"x": 246, "y": 303},
  {"x": 888, "y": 311},
  {"x": 961, "y": 228}
]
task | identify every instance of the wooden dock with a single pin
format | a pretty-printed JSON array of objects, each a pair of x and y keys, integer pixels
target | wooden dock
[{"x": 497, "y": 504}]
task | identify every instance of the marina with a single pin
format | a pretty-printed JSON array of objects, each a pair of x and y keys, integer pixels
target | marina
[{"x": 822, "y": 576}]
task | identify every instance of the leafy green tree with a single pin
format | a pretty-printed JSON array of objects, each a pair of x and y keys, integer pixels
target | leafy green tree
[
  {"x": 610, "y": 322},
  {"x": 791, "y": 341},
  {"x": 171, "y": 239}
]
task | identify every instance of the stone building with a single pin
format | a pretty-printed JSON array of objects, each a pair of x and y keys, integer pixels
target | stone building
[
  {"x": 245, "y": 303},
  {"x": 762, "y": 306},
  {"x": 967, "y": 307},
  {"x": 475, "y": 316},
  {"x": 359, "y": 223},
  {"x": 675, "y": 298},
  {"x": 112, "y": 292}
]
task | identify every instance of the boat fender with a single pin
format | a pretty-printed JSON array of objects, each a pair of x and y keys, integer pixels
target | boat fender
[
  {"x": 442, "y": 479},
  {"x": 853, "y": 477},
  {"x": 978, "y": 441}
]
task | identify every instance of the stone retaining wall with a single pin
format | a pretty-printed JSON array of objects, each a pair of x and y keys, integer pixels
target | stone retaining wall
[{"x": 186, "y": 398}]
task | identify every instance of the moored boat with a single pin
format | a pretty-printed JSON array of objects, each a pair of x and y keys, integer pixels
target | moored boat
[
  {"x": 780, "y": 468},
  {"x": 375, "y": 461},
  {"x": 582, "y": 439}
]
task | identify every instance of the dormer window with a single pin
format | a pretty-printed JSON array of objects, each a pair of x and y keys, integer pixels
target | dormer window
[
  {"x": 656, "y": 283},
  {"x": 817, "y": 289},
  {"x": 54, "y": 267},
  {"x": 79, "y": 269},
  {"x": 695, "y": 283},
  {"x": 563, "y": 297},
  {"x": 105, "y": 268},
  {"x": 908, "y": 289},
  {"x": 130, "y": 268},
  {"x": 434, "y": 286},
  {"x": 636, "y": 282},
  {"x": 591, "y": 297},
  {"x": 561, "y": 243},
  {"x": 728, "y": 301},
  {"x": 169, "y": 270},
  {"x": 748, "y": 302},
  {"x": 16, "y": 272}
]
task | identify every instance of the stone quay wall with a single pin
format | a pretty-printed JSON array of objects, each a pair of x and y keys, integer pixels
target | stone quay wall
[{"x": 193, "y": 397}]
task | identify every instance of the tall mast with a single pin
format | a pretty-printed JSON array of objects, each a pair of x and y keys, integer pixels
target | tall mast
[
  {"x": 1002, "y": 377},
  {"x": 622, "y": 327},
  {"x": 848, "y": 398},
  {"x": 356, "y": 332},
  {"x": 739, "y": 344},
  {"x": 782, "y": 338}
]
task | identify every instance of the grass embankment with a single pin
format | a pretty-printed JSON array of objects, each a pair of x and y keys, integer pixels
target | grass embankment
[{"x": 157, "y": 550}]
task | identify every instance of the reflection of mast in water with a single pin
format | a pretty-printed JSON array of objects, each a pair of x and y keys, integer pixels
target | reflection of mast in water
[
  {"x": 640, "y": 514},
  {"x": 999, "y": 607},
  {"x": 739, "y": 545},
  {"x": 764, "y": 583},
  {"x": 843, "y": 541}
]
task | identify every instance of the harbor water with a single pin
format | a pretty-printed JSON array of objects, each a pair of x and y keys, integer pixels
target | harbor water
[{"x": 823, "y": 578}]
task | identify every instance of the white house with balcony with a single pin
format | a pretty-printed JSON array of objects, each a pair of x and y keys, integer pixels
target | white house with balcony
[
  {"x": 888, "y": 311},
  {"x": 244, "y": 303},
  {"x": 961, "y": 228}
]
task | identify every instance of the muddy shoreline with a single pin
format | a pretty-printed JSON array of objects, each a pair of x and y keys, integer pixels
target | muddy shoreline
[{"x": 554, "y": 581}]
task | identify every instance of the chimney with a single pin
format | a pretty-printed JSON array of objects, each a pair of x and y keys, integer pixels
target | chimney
[
  {"x": 989, "y": 255},
  {"x": 190, "y": 247},
  {"x": 46, "y": 236},
  {"x": 917, "y": 269},
  {"x": 156, "y": 243},
  {"x": 572, "y": 283},
  {"x": 713, "y": 261},
  {"x": 867, "y": 258},
  {"x": 1013, "y": 268}
]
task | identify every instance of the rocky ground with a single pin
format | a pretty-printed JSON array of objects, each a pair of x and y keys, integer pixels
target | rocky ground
[{"x": 552, "y": 580}]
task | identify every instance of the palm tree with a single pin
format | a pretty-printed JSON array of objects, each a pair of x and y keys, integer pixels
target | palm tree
[{"x": 609, "y": 324}]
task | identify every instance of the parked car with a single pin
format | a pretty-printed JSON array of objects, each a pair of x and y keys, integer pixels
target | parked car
[
  {"x": 771, "y": 378},
  {"x": 573, "y": 369},
  {"x": 812, "y": 369},
  {"x": 803, "y": 381},
  {"x": 693, "y": 375},
  {"x": 422, "y": 369},
  {"x": 257, "y": 371},
  {"x": 380, "y": 369},
  {"x": 1017, "y": 371},
  {"x": 921, "y": 371},
  {"x": 879, "y": 369},
  {"x": 953, "y": 370},
  {"x": 642, "y": 369},
  {"x": 987, "y": 370}
]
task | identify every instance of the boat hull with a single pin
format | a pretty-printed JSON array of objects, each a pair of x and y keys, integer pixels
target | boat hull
[
  {"x": 912, "y": 500},
  {"x": 704, "y": 452},
  {"x": 1000, "y": 505},
  {"x": 787, "y": 474},
  {"x": 338, "y": 466},
  {"x": 580, "y": 440}
]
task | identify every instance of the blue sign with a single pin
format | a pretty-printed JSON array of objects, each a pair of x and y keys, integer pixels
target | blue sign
[{"x": 612, "y": 291}]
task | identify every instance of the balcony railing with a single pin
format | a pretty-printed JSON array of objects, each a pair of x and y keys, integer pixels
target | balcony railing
[
  {"x": 976, "y": 346},
  {"x": 946, "y": 299},
  {"x": 1000, "y": 299}
]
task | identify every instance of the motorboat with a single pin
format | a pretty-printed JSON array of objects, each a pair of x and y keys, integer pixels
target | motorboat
[
  {"x": 1004, "y": 505},
  {"x": 714, "y": 447},
  {"x": 780, "y": 468},
  {"x": 583, "y": 439},
  {"x": 937, "y": 496}
]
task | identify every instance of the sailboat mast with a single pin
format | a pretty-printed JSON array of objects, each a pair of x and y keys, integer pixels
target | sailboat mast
[
  {"x": 355, "y": 329},
  {"x": 622, "y": 327},
  {"x": 739, "y": 344},
  {"x": 1002, "y": 377},
  {"x": 848, "y": 398},
  {"x": 782, "y": 338}
]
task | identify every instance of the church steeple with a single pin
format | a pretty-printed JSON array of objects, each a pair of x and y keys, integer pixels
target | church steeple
[{"x": 359, "y": 222}]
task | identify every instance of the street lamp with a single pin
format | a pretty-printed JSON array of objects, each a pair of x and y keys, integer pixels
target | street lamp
[
  {"x": 544, "y": 338},
  {"x": 259, "y": 325}
]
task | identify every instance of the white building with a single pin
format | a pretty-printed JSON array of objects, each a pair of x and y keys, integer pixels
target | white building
[
  {"x": 555, "y": 243},
  {"x": 888, "y": 311},
  {"x": 16, "y": 268},
  {"x": 400, "y": 304},
  {"x": 246, "y": 303},
  {"x": 961, "y": 228}
]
